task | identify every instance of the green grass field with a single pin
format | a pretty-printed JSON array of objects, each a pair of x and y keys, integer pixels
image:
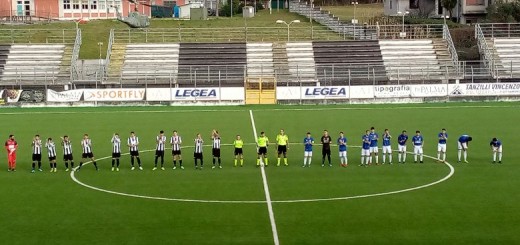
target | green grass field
[{"x": 477, "y": 205}]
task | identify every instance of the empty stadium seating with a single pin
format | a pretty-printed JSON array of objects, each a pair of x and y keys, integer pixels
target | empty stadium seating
[
  {"x": 260, "y": 60},
  {"x": 507, "y": 56},
  {"x": 301, "y": 65},
  {"x": 348, "y": 62},
  {"x": 416, "y": 59},
  {"x": 27, "y": 63},
  {"x": 150, "y": 62}
]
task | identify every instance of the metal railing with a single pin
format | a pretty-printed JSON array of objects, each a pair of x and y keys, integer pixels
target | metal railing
[
  {"x": 104, "y": 69},
  {"x": 74, "y": 72},
  {"x": 489, "y": 59},
  {"x": 451, "y": 47},
  {"x": 416, "y": 31},
  {"x": 14, "y": 35},
  {"x": 503, "y": 30}
]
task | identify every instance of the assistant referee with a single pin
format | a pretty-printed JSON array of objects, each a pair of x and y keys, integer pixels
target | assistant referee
[{"x": 282, "y": 141}]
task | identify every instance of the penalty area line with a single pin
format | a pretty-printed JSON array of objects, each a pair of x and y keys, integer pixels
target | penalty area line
[{"x": 266, "y": 189}]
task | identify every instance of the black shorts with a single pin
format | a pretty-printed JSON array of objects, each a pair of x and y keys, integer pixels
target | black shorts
[
  {"x": 87, "y": 155},
  {"x": 325, "y": 152},
  {"x": 216, "y": 152},
  {"x": 37, "y": 157},
  {"x": 116, "y": 155},
  {"x": 176, "y": 153},
  {"x": 262, "y": 150},
  {"x": 52, "y": 158},
  {"x": 238, "y": 151},
  {"x": 159, "y": 153},
  {"x": 134, "y": 153},
  {"x": 68, "y": 157},
  {"x": 197, "y": 155},
  {"x": 282, "y": 149}
]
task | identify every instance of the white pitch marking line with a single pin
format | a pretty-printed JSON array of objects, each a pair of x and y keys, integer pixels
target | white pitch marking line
[{"x": 266, "y": 189}]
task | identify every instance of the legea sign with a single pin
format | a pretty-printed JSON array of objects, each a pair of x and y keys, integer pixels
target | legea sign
[{"x": 195, "y": 94}]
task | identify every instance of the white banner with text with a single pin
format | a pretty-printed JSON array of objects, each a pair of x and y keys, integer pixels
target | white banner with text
[
  {"x": 114, "y": 94},
  {"x": 64, "y": 96},
  {"x": 195, "y": 94}
]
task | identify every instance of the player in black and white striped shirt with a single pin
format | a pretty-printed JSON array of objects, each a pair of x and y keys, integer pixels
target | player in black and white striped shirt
[
  {"x": 36, "y": 153},
  {"x": 176, "y": 142},
  {"x": 67, "y": 153},
  {"x": 133, "y": 143},
  {"x": 197, "y": 153},
  {"x": 86, "y": 144},
  {"x": 159, "y": 149},
  {"x": 116, "y": 151},
  {"x": 215, "y": 136},
  {"x": 51, "y": 153}
]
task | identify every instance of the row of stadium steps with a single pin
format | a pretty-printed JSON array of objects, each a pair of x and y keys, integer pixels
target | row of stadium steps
[
  {"x": 32, "y": 62},
  {"x": 260, "y": 60},
  {"x": 337, "y": 61},
  {"x": 117, "y": 59},
  {"x": 212, "y": 64},
  {"x": 280, "y": 61},
  {"x": 507, "y": 56},
  {"x": 4, "y": 52},
  {"x": 66, "y": 62},
  {"x": 150, "y": 63},
  {"x": 411, "y": 60},
  {"x": 301, "y": 64}
]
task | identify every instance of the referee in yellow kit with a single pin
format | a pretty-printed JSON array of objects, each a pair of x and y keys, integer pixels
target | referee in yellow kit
[
  {"x": 262, "y": 143},
  {"x": 282, "y": 141}
]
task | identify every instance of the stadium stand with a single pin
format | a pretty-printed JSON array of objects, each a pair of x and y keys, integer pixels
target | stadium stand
[
  {"x": 417, "y": 59},
  {"x": 260, "y": 60},
  {"x": 348, "y": 62},
  {"x": 499, "y": 45},
  {"x": 301, "y": 64},
  {"x": 507, "y": 56}
]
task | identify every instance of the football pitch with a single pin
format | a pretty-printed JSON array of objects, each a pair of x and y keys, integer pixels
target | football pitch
[{"x": 430, "y": 203}]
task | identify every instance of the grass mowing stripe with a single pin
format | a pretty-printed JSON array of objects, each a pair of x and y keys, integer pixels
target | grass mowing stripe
[{"x": 266, "y": 189}]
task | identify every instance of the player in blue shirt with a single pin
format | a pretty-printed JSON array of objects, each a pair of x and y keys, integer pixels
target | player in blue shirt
[
  {"x": 496, "y": 147},
  {"x": 308, "y": 141},
  {"x": 365, "y": 149},
  {"x": 401, "y": 144},
  {"x": 418, "y": 143},
  {"x": 374, "y": 137},
  {"x": 387, "y": 149},
  {"x": 342, "y": 146},
  {"x": 441, "y": 147},
  {"x": 463, "y": 146}
]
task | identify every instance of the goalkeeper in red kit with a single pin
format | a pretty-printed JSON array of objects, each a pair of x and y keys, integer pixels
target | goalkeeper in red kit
[{"x": 11, "y": 146}]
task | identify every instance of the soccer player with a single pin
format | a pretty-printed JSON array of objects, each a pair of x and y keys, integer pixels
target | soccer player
[
  {"x": 160, "y": 141},
  {"x": 51, "y": 153},
  {"x": 365, "y": 149},
  {"x": 262, "y": 142},
  {"x": 342, "y": 147},
  {"x": 282, "y": 142},
  {"x": 36, "y": 153},
  {"x": 401, "y": 144},
  {"x": 176, "y": 142},
  {"x": 418, "y": 143},
  {"x": 86, "y": 144},
  {"x": 496, "y": 147},
  {"x": 325, "y": 150},
  {"x": 11, "y": 146},
  {"x": 374, "y": 137},
  {"x": 238, "y": 143},
  {"x": 116, "y": 151},
  {"x": 215, "y": 150},
  {"x": 67, "y": 153},
  {"x": 441, "y": 147},
  {"x": 463, "y": 146},
  {"x": 197, "y": 153},
  {"x": 133, "y": 144},
  {"x": 308, "y": 141},
  {"x": 387, "y": 148}
]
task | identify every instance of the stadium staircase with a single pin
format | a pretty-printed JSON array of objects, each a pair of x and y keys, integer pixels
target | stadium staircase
[
  {"x": 208, "y": 64},
  {"x": 117, "y": 59},
  {"x": 302, "y": 68},
  {"x": 4, "y": 52},
  {"x": 348, "y": 62},
  {"x": 30, "y": 63},
  {"x": 260, "y": 60},
  {"x": 66, "y": 63},
  {"x": 150, "y": 63},
  {"x": 281, "y": 62},
  {"x": 417, "y": 59}
]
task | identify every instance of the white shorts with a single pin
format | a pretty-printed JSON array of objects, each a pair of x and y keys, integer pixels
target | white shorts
[
  {"x": 374, "y": 149},
  {"x": 343, "y": 154},
  {"x": 387, "y": 149},
  {"x": 497, "y": 149},
  {"x": 463, "y": 145},
  {"x": 441, "y": 147},
  {"x": 417, "y": 149},
  {"x": 307, "y": 153},
  {"x": 402, "y": 148},
  {"x": 365, "y": 152}
]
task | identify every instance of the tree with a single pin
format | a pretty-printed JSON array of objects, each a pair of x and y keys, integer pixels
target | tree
[
  {"x": 502, "y": 11},
  {"x": 449, "y": 5}
]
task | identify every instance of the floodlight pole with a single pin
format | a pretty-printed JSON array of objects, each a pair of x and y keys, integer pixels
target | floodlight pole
[
  {"x": 288, "y": 26},
  {"x": 354, "y": 21}
]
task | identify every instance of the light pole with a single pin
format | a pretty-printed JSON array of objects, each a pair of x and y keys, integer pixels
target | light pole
[
  {"x": 100, "y": 44},
  {"x": 403, "y": 33},
  {"x": 288, "y": 26},
  {"x": 354, "y": 21}
]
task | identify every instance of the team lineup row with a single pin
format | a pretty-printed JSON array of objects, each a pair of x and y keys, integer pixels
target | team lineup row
[{"x": 369, "y": 149}]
